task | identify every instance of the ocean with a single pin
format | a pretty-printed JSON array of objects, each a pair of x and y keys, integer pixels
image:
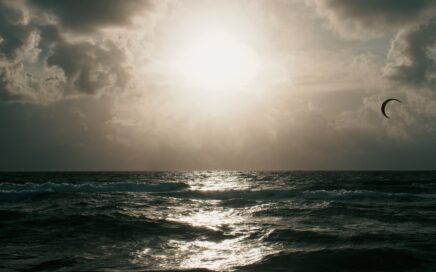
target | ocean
[{"x": 218, "y": 221}]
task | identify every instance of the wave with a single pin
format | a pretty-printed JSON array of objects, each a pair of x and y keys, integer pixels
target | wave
[
  {"x": 109, "y": 187},
  {"x": 246, "y": 195},
  {"x": 231, "y": 198},
  {"x": 363, "y": 194},
  {"x": 19, "y": 191},
  {"x": 115, "y": 226},
  {"x": 368, "y": 237},
  {"x": 53, "y": 264},
  {"x": 296, "y": 236},
  {"x": 276, "y": 194},
  {"x": 343, "y": 259}
]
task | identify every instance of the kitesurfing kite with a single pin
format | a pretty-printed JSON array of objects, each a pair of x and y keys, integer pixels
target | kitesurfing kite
[{"x": 383, "y": 107}]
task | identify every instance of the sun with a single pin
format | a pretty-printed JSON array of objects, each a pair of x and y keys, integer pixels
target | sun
[{"x": 217, "y": 61}]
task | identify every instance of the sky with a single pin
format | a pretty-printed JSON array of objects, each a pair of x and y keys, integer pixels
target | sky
[{"x": 217, "y": 85}]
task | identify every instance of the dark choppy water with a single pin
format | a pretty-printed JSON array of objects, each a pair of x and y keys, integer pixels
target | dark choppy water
[{"x": 224, "y": 221}]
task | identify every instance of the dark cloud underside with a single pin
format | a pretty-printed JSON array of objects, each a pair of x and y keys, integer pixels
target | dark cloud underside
[
  {"x": 376, "y": 11},
  {"x": 85, "y": 15},
  {"x": 410, "y": 61},
  {"x": 62, "y": 35},
  {"x": 356, "y": 18}
]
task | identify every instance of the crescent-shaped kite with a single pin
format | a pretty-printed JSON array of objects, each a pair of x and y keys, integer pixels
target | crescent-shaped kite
[{"x": 383, "y": 107}]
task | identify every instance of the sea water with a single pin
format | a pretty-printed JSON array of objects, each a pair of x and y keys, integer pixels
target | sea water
[{"x": 218, "y": 221}]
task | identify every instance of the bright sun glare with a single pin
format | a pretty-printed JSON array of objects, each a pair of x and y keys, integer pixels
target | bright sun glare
[{"x": 218, "y": 61}]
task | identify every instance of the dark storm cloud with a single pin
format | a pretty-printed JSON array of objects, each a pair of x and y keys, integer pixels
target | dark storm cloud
[
  {"x": 409, "y": 60},
  {"x": 61, "y": 39},
  {"x": 354, "y": 18},
  {"x": 15, "y": 40},
  {"x": 87, "y": 67},
  {"x": 85, "y": 15},
  {"x": 14, "y": 33},
  {"x": 374, "y": 12}
]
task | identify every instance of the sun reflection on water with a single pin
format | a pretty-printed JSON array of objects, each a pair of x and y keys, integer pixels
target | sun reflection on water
[
  {"x": 212, "y": 219},
  {"x": 220, "y": 255},
  {"x": 228, "y": 236},
  {"x": 237, "y": 250},
  {"x": 218, "y": 181}
]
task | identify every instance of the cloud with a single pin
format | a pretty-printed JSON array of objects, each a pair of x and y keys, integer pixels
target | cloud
[
  {"x": 358, "y": 19},
  {"x": 15, "y": 35},
  {"x": 87, "y": 16},
  {"x": 88, "y": 67},
  {"x": 409, "y": 59},
  {"x": 50, "y": 50},
  {"x": 18, "y": 41}
]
